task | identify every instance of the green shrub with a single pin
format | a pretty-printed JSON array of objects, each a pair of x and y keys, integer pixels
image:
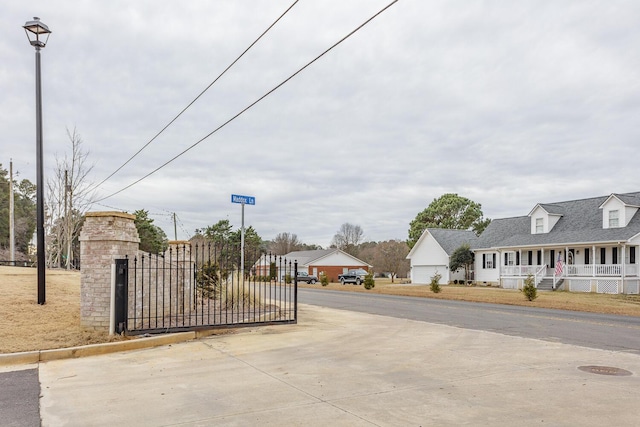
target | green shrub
[
  {"x": 288, "y": 278},
  {"x": 208, "y": 280},
  {"x": 369, "y": 283},
  {"x": 529, "y": 289},
  {"x": 324, "y": 280},
  {"x": 435, "y": 283}
]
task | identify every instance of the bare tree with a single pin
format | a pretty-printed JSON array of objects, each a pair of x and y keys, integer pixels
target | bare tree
[
  {"x": 68, "y": 198},
  {"x": 284, "y": 243},
  {"x": 348, "y": 237},
  {"x": 391, "y": 257}
]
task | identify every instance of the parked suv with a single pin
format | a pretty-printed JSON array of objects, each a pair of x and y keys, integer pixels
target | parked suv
[{"x": 353, "y": 276}]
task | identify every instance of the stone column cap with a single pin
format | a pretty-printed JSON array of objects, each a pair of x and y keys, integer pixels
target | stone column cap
[
  {"x": 179, "y": 242},
  {"x": 110, "y": 213}
]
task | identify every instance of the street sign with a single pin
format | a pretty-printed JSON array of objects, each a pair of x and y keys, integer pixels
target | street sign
[{"x": 245, "y": 200}]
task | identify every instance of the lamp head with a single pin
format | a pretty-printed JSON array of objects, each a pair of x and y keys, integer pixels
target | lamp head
[{"x": 35, "y": 30}]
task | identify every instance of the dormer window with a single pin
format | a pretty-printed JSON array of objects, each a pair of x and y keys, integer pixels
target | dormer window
[
  {"x": 539, "y": 225},
  {"x": 614, "y": 218}
]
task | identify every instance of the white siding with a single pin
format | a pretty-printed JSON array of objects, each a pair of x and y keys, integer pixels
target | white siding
[
  {"x": 539, "y": 213},
  {"x": 613, "y": 204},
  {"x": 629, "y": 212},
  {"x": 482, "y": 274},
  {"x": 426, "y": 257},
  {"x": 337, "y": 259}
]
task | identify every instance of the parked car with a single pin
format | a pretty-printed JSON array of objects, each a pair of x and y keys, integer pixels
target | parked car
[
  {"x": 353, "y": 276},
  {"x": 305, "y": 277}
]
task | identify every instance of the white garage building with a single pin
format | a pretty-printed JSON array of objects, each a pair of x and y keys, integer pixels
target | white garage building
[{"x": 432, "y": 252}]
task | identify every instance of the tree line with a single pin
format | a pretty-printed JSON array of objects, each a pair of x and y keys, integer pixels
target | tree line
[
  {"x": 69, "y": 195},
  {"x": 24, "y": 195}
]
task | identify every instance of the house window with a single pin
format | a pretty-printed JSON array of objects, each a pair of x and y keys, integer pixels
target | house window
[
  {"x": 614, "y": 218},
  {"x": 539, "y": 258},
  {"x": 603, "y": 255},
  {"x": 509, "y": 258},
  {"x": 539, "y": 225},
  {"x": 489, "y": 261},
  {"x": 587, "y": 259},
  {"x": 632, "y": 255},
  {"x": 614, "y": 255}
]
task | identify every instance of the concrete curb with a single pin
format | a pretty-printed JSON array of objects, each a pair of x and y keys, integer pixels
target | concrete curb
[{"x": 29, "y": 357}]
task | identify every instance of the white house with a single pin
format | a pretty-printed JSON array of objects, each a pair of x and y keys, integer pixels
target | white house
[
  {"x": 586, "y": 245},
  {"x": 432, "y": 252}
]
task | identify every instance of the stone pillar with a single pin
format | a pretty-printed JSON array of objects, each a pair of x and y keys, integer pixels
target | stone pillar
[{"x": 105, "y": 236}]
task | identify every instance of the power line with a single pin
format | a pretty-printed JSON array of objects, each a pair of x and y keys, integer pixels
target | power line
[
  {"x": 110, "y": 207},
  {"x": 253, "y": 103},
  {"x": 199, "y": 95}
]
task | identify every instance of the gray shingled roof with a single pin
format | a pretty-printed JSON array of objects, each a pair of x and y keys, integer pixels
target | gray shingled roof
[
  {"x": 305, "y": 257},
  {"x": 552, "y": 208},
  {"x": 308, "y": 257},
  {"x": 581, "y": 222},
  {"x": 450, "y": 240}
]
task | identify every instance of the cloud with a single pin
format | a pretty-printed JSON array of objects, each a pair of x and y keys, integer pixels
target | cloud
[{"x": 506, "y": 103}]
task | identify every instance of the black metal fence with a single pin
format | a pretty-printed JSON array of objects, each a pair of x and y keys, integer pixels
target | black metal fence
[
  {"x": 202, "y": 286},
  {"x": 17, "y": 263}
]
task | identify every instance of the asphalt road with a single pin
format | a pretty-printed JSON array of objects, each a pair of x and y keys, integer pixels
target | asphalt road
[
  {"x": 19, "y": 392},
  {"x": 608, "y": 332}
]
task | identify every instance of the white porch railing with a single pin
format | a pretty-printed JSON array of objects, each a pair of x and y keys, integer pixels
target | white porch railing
[
  {"x": 572, "y": 270},
  {"x": 540, "y": 273},
  {"x": 519, "y": 270}
]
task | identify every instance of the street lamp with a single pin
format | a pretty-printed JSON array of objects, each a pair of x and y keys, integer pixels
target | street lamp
[{"x": 35, "y": 30}]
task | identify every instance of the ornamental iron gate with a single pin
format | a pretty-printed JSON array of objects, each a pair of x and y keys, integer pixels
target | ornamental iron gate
[{"x": 200, "y": 286}]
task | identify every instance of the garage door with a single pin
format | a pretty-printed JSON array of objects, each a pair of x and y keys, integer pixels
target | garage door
[{"x": 423, "y": 273}]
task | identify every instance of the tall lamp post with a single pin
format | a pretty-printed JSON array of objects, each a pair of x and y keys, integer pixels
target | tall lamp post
[{"x": 36, "y": 30}]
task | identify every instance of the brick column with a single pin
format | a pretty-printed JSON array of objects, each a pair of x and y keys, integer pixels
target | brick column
[{"x": 105, "y": 236}]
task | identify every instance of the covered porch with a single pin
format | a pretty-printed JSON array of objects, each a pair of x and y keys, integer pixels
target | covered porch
[{"x": 579, "y": 268}]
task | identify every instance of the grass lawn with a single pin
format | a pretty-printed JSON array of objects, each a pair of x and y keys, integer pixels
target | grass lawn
[
  {"x": 628, "y": 305},
  {"x": 26, "y": 326}
]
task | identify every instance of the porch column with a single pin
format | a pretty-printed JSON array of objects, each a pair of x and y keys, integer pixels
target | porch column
[
  {"x": 622, "y": 270},
  {"x": 543, "y": 263},
  {"x": 593, "y": 261},
  {"x": 520, "y": 262}
]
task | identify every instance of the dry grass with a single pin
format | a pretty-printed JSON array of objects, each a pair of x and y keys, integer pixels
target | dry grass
[
  {"x": 26, "y": 326},
  {"x": 628, "y": 305}
]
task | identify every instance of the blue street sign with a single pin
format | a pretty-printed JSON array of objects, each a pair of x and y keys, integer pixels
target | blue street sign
[{"x": 246, "y": 200}]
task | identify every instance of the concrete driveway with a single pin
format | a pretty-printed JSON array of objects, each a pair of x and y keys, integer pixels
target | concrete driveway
[{"x": 346, "y": 369}]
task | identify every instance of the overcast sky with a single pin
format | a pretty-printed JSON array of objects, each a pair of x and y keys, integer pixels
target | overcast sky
[{"x": 507, "y": 103}]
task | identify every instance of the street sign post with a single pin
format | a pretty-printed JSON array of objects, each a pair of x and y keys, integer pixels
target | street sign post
[{"x": 243, "y": 200}]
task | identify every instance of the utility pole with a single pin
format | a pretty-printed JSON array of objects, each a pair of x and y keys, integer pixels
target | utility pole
[
  {"x": 66, "y": 216},
  {"x": 12, "y": 225},
  {"x": 67, "y": 212},
  {"x": 175, "y": 228}
]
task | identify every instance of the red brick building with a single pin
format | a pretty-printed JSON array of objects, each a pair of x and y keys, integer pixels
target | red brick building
[{"x": 331, "y": 262}]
